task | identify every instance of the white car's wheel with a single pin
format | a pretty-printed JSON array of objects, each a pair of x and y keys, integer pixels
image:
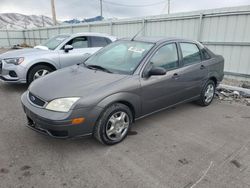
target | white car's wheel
[{"x": 38, "y": 72}]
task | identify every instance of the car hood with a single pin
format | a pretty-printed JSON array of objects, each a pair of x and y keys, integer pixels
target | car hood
[
  {"x": 75, "y": 81},
  {"x": 23, "y": 53}
]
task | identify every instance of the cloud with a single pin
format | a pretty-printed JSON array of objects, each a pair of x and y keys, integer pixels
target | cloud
[{"x": 89, "y": 8}]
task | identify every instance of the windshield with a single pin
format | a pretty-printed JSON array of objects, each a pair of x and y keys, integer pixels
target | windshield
[
  {"x": 55, "y": 41},
  {"x": 121, "y": 56}
]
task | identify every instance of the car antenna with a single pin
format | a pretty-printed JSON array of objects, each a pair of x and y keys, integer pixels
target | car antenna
[{"x": 143, "y": 27}]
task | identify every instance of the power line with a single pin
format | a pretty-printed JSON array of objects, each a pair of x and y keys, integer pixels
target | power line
[{"x": 125, "y": 5}]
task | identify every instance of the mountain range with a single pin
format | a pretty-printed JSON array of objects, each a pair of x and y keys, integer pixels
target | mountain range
[
  {"x": 21, "y": 21},
  {"x": 76, "y": 21}
]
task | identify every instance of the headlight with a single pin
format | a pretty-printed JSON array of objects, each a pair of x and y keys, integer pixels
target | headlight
[
  {"x": 62, "y": 104},
  {"x": 15, "y": 61}
]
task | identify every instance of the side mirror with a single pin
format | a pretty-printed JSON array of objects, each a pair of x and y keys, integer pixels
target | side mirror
[
  {"x": 156, "y": 71},
  {"x": 67, "y": 48}
]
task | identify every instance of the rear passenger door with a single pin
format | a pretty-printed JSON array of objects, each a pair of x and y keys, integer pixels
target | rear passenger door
[
  {"x": 96, "y": 42},
  {"x": 192, "y": 73}
]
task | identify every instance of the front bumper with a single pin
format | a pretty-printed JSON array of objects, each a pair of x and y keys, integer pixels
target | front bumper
[
  {"x": 57, "y": 124},
  {"x": 12, "y": 73}
]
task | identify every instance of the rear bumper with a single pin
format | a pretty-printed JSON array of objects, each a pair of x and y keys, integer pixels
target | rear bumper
[{"x": 57, "y": 124}]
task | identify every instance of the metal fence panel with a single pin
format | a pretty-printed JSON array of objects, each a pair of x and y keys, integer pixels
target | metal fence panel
[{"x": 126, "y": 30}]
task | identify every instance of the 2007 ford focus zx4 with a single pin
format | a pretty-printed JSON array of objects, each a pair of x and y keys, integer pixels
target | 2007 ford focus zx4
[{"x": 125, "y": 81}]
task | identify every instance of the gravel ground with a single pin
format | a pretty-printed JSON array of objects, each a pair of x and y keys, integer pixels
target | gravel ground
[
  {"x": 234, "y": 82},
  {"x": 180, "y": 147}
]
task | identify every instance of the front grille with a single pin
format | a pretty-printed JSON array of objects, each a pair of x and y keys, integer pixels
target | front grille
[{"x": 35, "y": 100}]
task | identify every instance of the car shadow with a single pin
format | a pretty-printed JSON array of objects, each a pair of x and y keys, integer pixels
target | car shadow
[
  {"x": 139, "y": 125},
  {"x": 90, "y": 142},
  {"x": 17, "y": 88},
  {"x": 72, "y": 144}
]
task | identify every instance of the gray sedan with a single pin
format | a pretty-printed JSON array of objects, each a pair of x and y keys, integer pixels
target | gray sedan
[
  {"x": 26, "y": 65},
  {"x": 125, "y": 81}
]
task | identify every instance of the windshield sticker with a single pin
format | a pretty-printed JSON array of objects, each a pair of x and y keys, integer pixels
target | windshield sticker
[{"x": 136, "y": 50}]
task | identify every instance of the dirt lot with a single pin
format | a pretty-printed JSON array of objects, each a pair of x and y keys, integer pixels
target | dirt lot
[{"x": 173, "y": 148}]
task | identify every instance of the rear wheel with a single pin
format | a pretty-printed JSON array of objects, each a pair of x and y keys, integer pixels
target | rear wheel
[
  {"x": 113, "y": 125},
  {"x": 38, "y": 72},
  {"x": 207, "y": 94}
]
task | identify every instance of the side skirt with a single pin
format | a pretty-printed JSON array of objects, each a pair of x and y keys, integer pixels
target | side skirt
[{"x": 185, "y": 101}]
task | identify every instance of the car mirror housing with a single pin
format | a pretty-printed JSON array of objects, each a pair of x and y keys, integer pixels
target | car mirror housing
[
  {"x": 67, "y": 48},
  {"x": 156, "y": 71}
]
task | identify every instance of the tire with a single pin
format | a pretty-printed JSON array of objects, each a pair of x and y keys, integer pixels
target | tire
[
  {"x": 116, "y": 118},
  {"x": 38, "y": 69},
  {"x": 206, "y": 96}
]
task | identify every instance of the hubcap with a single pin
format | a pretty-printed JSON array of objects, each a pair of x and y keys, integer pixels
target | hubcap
[
  {"x": 40, "y": 73},
  {"x": 209, "y": 93},
  {"x": 117, "y": 126}
]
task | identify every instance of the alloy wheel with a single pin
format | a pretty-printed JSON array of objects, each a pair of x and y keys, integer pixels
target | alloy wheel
[
  {"x": 209, "y": 93},
  {"x": 40, "y": 73},
  {"x": 117, "y": 126}
]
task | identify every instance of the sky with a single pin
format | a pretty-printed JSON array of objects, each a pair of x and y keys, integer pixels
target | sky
[{"x": 69, "y": 9}]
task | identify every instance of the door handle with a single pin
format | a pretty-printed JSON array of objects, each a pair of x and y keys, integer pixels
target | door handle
[
  {"x": 202, "y": 67},
  {"x": 175, "y": 76}
]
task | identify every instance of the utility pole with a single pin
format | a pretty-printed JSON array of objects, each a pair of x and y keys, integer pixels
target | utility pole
[
  {"x": 101, "y": 7},
  {"x": 53, "y": 11},
  {"x": 168, "y": 6},
  {"x": 43, "y": 21}
]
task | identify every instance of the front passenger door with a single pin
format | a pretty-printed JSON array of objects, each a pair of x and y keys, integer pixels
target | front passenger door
[
  {"x": 160, "y": 91},
  {"x": 75, "y": 56}
]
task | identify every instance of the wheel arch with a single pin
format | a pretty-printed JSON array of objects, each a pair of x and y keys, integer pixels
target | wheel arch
[
  {"x": 129, "y": 105},
  {"x": 214, "y": 79},
  {"x": 130, "y": 100},
  {"x": 40, "y": 63}
]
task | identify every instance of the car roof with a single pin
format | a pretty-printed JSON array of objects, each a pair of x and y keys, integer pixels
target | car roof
[
  {"x": 113, "y": 38},
  {"x": 91, "y": 34},
  {"x": 160, "y": 39}
]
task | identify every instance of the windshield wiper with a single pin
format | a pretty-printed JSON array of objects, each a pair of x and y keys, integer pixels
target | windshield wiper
[{"x": 98, "y": 67}]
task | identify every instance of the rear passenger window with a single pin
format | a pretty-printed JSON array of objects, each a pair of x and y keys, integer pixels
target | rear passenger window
[
  {"x": 99, "y": 41},
  {"x": 191, "y": 53},
  {"x": 166, "y": 57}
]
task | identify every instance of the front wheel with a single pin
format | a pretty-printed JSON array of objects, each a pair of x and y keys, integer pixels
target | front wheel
[
  {"x": 113, "y": 125},
  {"x": 38, "y": 72},
  {"x": 207, "y": 94}
]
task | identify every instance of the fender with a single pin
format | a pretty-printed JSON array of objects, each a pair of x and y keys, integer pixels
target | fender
[
  {"x": 213, "y": 74},
  {"x": 43, "y": 60},
  {"x": 133, "y": 100}
]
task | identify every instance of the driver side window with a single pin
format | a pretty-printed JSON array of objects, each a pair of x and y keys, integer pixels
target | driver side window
[
  {"x": 166, "y": 57},
  {"x": 79, "y": 42}
]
